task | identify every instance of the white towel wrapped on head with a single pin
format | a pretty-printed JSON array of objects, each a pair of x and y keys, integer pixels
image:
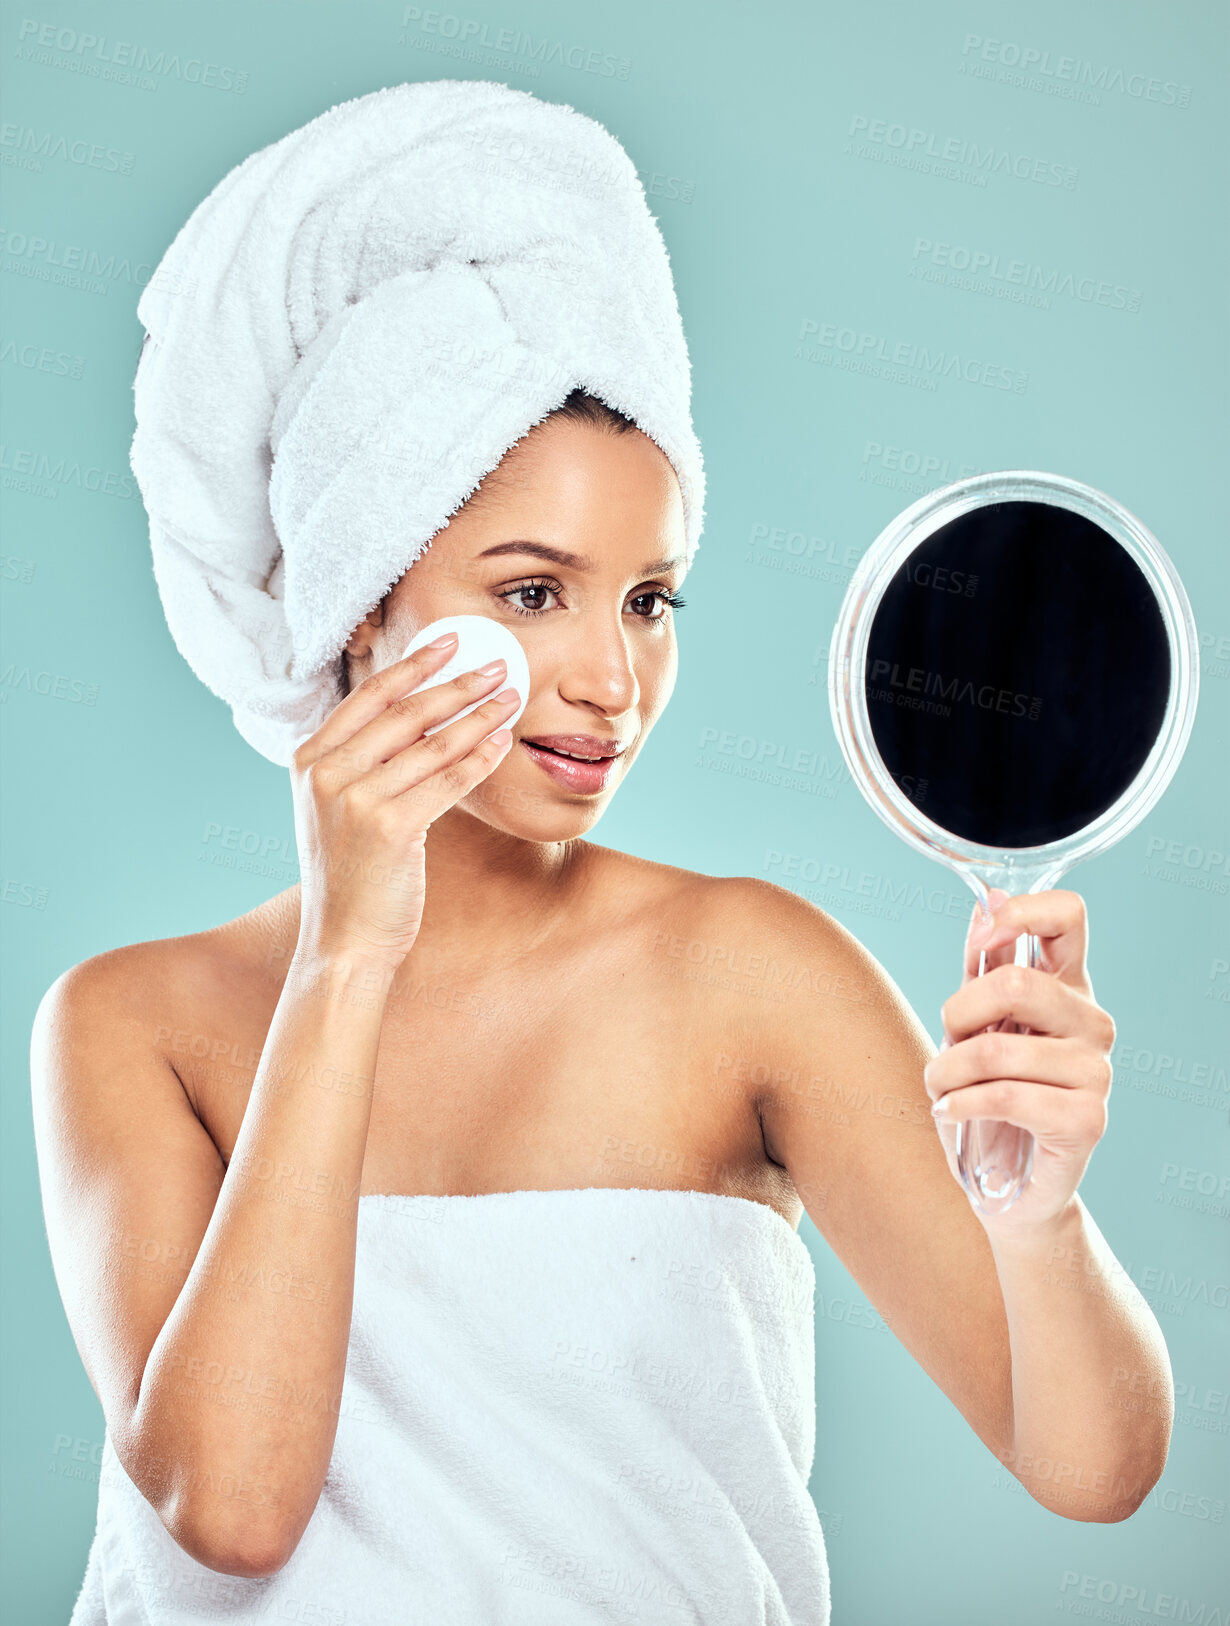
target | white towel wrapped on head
[{"x": 349, "y": 332}]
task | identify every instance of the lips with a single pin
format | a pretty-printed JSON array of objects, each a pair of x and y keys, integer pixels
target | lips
[
  {"x": 584, "y": 747},
  {"x": 585, "y": 777}
]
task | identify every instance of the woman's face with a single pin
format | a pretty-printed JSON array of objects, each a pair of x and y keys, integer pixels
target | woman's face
[{"x": 575, "y": 543}]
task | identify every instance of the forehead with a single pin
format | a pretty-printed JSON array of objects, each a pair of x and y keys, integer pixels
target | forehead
[{"x": 577, "y": 487}]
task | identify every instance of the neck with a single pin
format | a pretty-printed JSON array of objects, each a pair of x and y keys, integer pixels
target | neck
[
  {"x": 483, "y": 883},
  {"x": 485, "y": 886}
]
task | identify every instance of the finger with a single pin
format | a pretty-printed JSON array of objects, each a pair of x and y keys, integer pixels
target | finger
[
  {"x": 1058, "y": 919},
  {"x": 370, "y": 698},
  {"x": 424, "y": 800},
  {"x": 1029, "y": 997},
  {"x": 1051, "y": 1113},
  {"x": 407, "y": 717},
  {"x": 989, "y": 1056},
  {"x": 422, "y": 771},
  {"x": 977, "y": 960}
]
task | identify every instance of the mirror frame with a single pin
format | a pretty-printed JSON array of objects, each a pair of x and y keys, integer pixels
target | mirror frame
[{"x": 1007, "y": 866}]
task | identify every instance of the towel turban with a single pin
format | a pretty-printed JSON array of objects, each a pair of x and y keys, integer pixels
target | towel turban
[{"x": 349, "y": 333}]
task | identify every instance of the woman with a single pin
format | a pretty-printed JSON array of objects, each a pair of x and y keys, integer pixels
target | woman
[{"x": 430, "y": 1236}]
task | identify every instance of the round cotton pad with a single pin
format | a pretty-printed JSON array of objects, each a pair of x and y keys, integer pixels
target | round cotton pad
[{"x": 479, "y": 640}]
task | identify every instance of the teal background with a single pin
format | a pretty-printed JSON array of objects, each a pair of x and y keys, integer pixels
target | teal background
[{"x": 738, "y": 122}]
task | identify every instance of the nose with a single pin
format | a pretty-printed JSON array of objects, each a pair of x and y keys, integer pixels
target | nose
[{"x": 592, "y": 663}]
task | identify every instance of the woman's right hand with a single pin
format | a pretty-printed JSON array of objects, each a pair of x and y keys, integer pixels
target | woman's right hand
[{"x": 369, "y": 783}]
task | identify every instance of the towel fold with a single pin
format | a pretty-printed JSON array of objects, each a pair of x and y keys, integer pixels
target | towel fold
[
  {"x": 349, "y": 332},
  {"x": 560, "y": 1407}
]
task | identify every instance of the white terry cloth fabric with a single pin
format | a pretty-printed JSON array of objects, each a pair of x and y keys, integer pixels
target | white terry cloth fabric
[
  {"x": 559, "y": 1408},
  {"x": 349, "y": 332}
]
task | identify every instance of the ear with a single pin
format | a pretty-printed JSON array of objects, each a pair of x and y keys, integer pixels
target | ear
[{"x": 360, "y": 640}]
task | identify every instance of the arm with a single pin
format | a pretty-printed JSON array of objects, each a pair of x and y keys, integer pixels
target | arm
[
  {"x": 203, "y": 1371},
  {"x": 1036, "y": 1368},
  {"x": 1083, "y": 1338},
  {"x": 221, "y": 1388}
]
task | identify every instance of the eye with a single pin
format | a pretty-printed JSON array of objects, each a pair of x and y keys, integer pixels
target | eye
[
  {"x": 672, "y": 599},
  {"x": 534, "y": 588}
]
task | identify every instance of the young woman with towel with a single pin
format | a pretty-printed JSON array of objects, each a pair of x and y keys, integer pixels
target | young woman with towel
[{"x": 429, "y": 1234}]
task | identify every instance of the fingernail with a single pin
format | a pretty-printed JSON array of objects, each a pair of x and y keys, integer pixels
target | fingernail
[
  {"x": 492, "y": 668},
  {"x": 939, "y": 1107},
  {"x": 982, "y": 928},
  {"x": 439, "y": 643}
]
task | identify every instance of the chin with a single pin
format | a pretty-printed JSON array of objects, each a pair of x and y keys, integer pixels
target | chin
[{"x": 535, "y": 811}]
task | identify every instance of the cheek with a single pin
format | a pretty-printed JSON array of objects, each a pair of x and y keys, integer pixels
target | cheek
[{"x": 657, "y": 678}]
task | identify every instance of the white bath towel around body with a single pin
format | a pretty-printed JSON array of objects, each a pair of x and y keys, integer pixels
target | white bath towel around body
[{"x": 560, "y": 1408}]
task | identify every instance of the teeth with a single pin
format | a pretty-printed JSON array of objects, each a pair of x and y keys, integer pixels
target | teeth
[{"x": 576, "y": 757}]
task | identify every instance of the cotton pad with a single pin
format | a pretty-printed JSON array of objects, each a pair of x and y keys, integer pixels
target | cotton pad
[{"x": 479, "y": 640}]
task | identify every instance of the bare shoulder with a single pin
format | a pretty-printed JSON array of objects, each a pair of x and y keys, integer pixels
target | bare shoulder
[
  {"x": 741, "y": 934},
  {"x": 129, "y": 1002},
  {"x": 119, "y": 986},
  {"x": 825, "y": 1038},
  {"x": 775, "y": 982},
  {"x": 774, "y": 939}
]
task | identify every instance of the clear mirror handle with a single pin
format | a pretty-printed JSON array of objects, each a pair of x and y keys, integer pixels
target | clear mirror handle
[{"x": 995, "y": 1159}]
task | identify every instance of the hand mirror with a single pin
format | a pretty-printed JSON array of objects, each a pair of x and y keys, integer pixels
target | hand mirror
[{"x": 1012, "y": 678}]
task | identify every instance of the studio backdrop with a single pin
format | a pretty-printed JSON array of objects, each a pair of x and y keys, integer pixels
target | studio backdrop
[{"x": 911, "y": 244}]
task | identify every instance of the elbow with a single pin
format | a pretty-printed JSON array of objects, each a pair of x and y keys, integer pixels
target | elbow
[
  {"x": 1113, "y": 1501},
  {"x": 1087, "y": 1510},
  {"x": 1133, "y": 1491},
  {"x": 242, "y": 1534},
  {"x": 1114, "y": 1513},
  {"x": 251, "y": 1551}
]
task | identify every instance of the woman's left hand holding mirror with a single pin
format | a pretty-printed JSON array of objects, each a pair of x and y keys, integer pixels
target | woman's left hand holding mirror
[{"x": 1053, "y": 1081}]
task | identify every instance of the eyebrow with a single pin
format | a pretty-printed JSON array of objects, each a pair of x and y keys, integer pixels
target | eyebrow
[{"x": 569, "y": 561}]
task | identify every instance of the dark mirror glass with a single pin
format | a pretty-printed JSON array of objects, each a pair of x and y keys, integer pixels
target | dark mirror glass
[{"x": 1017, "y": 674}]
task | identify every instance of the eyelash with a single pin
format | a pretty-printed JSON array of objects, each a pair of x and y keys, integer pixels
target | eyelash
[{"x": 673, "y": 599}]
